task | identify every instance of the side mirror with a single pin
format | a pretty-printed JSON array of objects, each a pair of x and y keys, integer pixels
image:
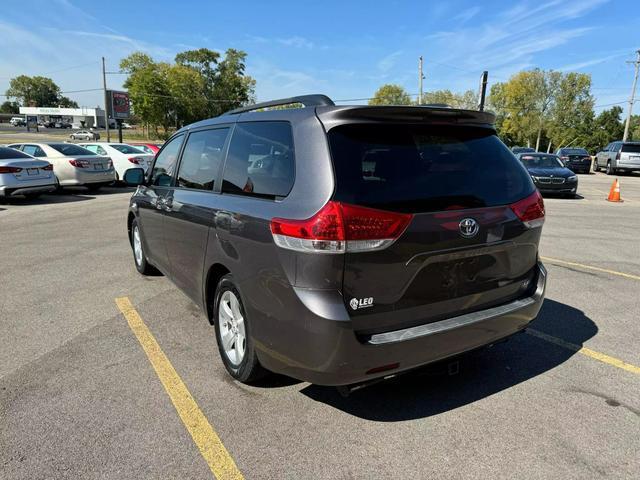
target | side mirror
[{"x": 134, "y": 177}]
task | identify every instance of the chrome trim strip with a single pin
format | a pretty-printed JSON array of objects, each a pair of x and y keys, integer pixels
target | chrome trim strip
[{"x": 462, "y": 320}]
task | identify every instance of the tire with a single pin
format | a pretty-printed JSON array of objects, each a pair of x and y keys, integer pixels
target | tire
[
  {"x": 32, "y": 196},
  {"x": 237, "y": 351},
  {"x": 610, "y": 170},
  {"x": 139, "y": 257},
  {"x": 596, "y": 168}
]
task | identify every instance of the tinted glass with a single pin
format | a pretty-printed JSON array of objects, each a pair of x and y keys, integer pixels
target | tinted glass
[
  {"x": 163, "y": 168},
  {"x": 34, "y": 150},
  {"x": 260, "y": 160},
  {"x": 70, "y": 149},
  {"x": 9, "y": 153},
  {"x": 419, "y": 168},
  {"x": 574, "y": 151},
  {"x": 201, "y": 159},
  {"x": 126, "y": 149},
  {"x": 541, "y": 161},
  {"x": 631, "y": 147}
]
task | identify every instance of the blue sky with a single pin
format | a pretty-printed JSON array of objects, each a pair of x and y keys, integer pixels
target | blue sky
[{"x": 346, "y": 49}]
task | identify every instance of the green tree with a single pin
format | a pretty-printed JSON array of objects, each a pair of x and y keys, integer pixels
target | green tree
[
  {"x": 66, "y": 102},
  {"x": 390, "y": 94},
  {"x": 634, "y": 128},
  {"x": 225, "y": 82},
  {"x": 571, "y": 115},
  {"x": 607, "y": 127},
  {"x": 232, "y": 88},
  {"x": 467, "y": 100},
  {"x": 10, "y": 107},
  {"x": 37, "y": 92},
  {"x": 524, "y": 104},
  {"x": 200, "y": 84},
  {"x": 149, "y": 91}
]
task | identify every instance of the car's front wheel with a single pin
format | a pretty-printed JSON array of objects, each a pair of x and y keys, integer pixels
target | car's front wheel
[
  {"x": 139, "y": 257},
  {"x": 233, "y": 333},
  {"x": 596, "y": 168}
]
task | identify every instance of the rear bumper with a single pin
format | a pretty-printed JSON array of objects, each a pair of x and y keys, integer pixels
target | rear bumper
[
  {"x": 86, "y": 176},
  {"x": 11, "y": 191},
  {"x": 328, "y": 352}
]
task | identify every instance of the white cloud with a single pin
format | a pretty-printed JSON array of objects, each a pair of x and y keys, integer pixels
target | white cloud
[
  {"x": 388, "y": 62},
  {"x": 467, "y": 14},
  {"x": 296, "y": 41}
]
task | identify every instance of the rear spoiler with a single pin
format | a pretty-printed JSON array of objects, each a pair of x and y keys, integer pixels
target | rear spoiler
[{"x": 332, "y": 116}]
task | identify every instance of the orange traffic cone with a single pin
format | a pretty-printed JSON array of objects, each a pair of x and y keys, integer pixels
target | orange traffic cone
[{"x": 614, "y": 193}]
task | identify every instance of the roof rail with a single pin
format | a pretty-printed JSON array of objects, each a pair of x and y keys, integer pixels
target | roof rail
[{"x": 316, "y": 100}]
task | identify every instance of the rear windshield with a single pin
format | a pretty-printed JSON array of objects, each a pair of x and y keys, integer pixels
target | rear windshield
[
  {"x": 421, "y": 168},
  {"x": 126, "y": 149},
  {"x": 631, "y": 147},
  {"x": 70, "y": 149},
  {"x": 574, "y": 151},
  {"x": 7, "y": 153},
  {"x": 541, "y": 161}
]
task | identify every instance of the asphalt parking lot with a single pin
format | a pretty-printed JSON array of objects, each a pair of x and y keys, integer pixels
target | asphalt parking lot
[{"x": 80, "y": 398}]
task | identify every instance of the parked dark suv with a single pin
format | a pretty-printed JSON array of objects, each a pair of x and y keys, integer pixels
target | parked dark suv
[{"x": 339, "y": 244}]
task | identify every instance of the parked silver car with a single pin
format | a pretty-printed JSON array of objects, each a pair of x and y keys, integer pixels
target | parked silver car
[
  {"x": 86, "y": 135},
  {"x": 618, "y": 157}
]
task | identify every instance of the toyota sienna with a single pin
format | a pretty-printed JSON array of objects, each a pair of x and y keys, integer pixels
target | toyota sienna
[{"x": 342, "y": 244}]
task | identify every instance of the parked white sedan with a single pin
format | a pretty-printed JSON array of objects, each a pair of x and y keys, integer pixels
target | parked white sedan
[
  {"x": 124, "y": 156},
  {"x": 72, "y": 164},
  {"x": 21, "y": 174}
]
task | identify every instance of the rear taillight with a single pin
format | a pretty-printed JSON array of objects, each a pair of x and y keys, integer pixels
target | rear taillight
[
  {"x": 530, "y": 210},
  {"x": 618, "y": 155},
  {"x": 10, "y": 169},
  {"x": 48, "y": 167},
  {"x": 339, "y": 228},
  {"x": 76, "y": 162},
  {"x": 109, "y": 164},
  {"x": 136, "y": 160}
]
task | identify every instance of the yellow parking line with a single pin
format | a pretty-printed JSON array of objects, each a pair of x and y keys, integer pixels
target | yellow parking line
[
  {"x": 585, "y": 351},
  {"x": 204, "y": 436},
  {"x": 590, "y": 267}
]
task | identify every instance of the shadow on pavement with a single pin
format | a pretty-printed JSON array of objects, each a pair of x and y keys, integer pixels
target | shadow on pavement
[
  {"x": 430, "y": 391},
  {"x": 67, "y": 195}
]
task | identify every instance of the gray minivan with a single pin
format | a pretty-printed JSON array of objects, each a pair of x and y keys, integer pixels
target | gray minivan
[{"x": 341, "y": 244}]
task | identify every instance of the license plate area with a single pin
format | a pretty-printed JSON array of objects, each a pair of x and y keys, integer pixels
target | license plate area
[
  {"x": 33, "y": 171},
  {"x": 97, "y": 166}
]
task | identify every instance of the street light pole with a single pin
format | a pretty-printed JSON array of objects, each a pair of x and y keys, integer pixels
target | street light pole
[
  {"x": 420, "y": 78},
  {"x": 106, "y": 101},
  {"x": 632, "y": 98}
]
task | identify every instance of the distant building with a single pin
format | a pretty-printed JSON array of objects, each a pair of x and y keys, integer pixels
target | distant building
[{"x": 92, "y": 117}]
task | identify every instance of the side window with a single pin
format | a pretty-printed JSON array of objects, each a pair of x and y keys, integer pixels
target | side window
[
  {"x": 92, "y": 148},
  {"x": 163, "y": 168},
  {"x": 201, "y": 159},
  {"x": 617, "y": 146},
  {"x": 260, "y": 160},
  {"x": 100, "y": 150},
  {"x": 34, "y": 151}
]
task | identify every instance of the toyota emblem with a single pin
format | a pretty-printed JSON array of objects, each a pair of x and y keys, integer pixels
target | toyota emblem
[{"x": 468, "y": 227}]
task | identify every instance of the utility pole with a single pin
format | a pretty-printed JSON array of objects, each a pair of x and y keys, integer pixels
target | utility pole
[
  {"x": 420, "y": 78},
  {"x": 106, "y": 101},
  {"x": 632, "y": 97}
]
